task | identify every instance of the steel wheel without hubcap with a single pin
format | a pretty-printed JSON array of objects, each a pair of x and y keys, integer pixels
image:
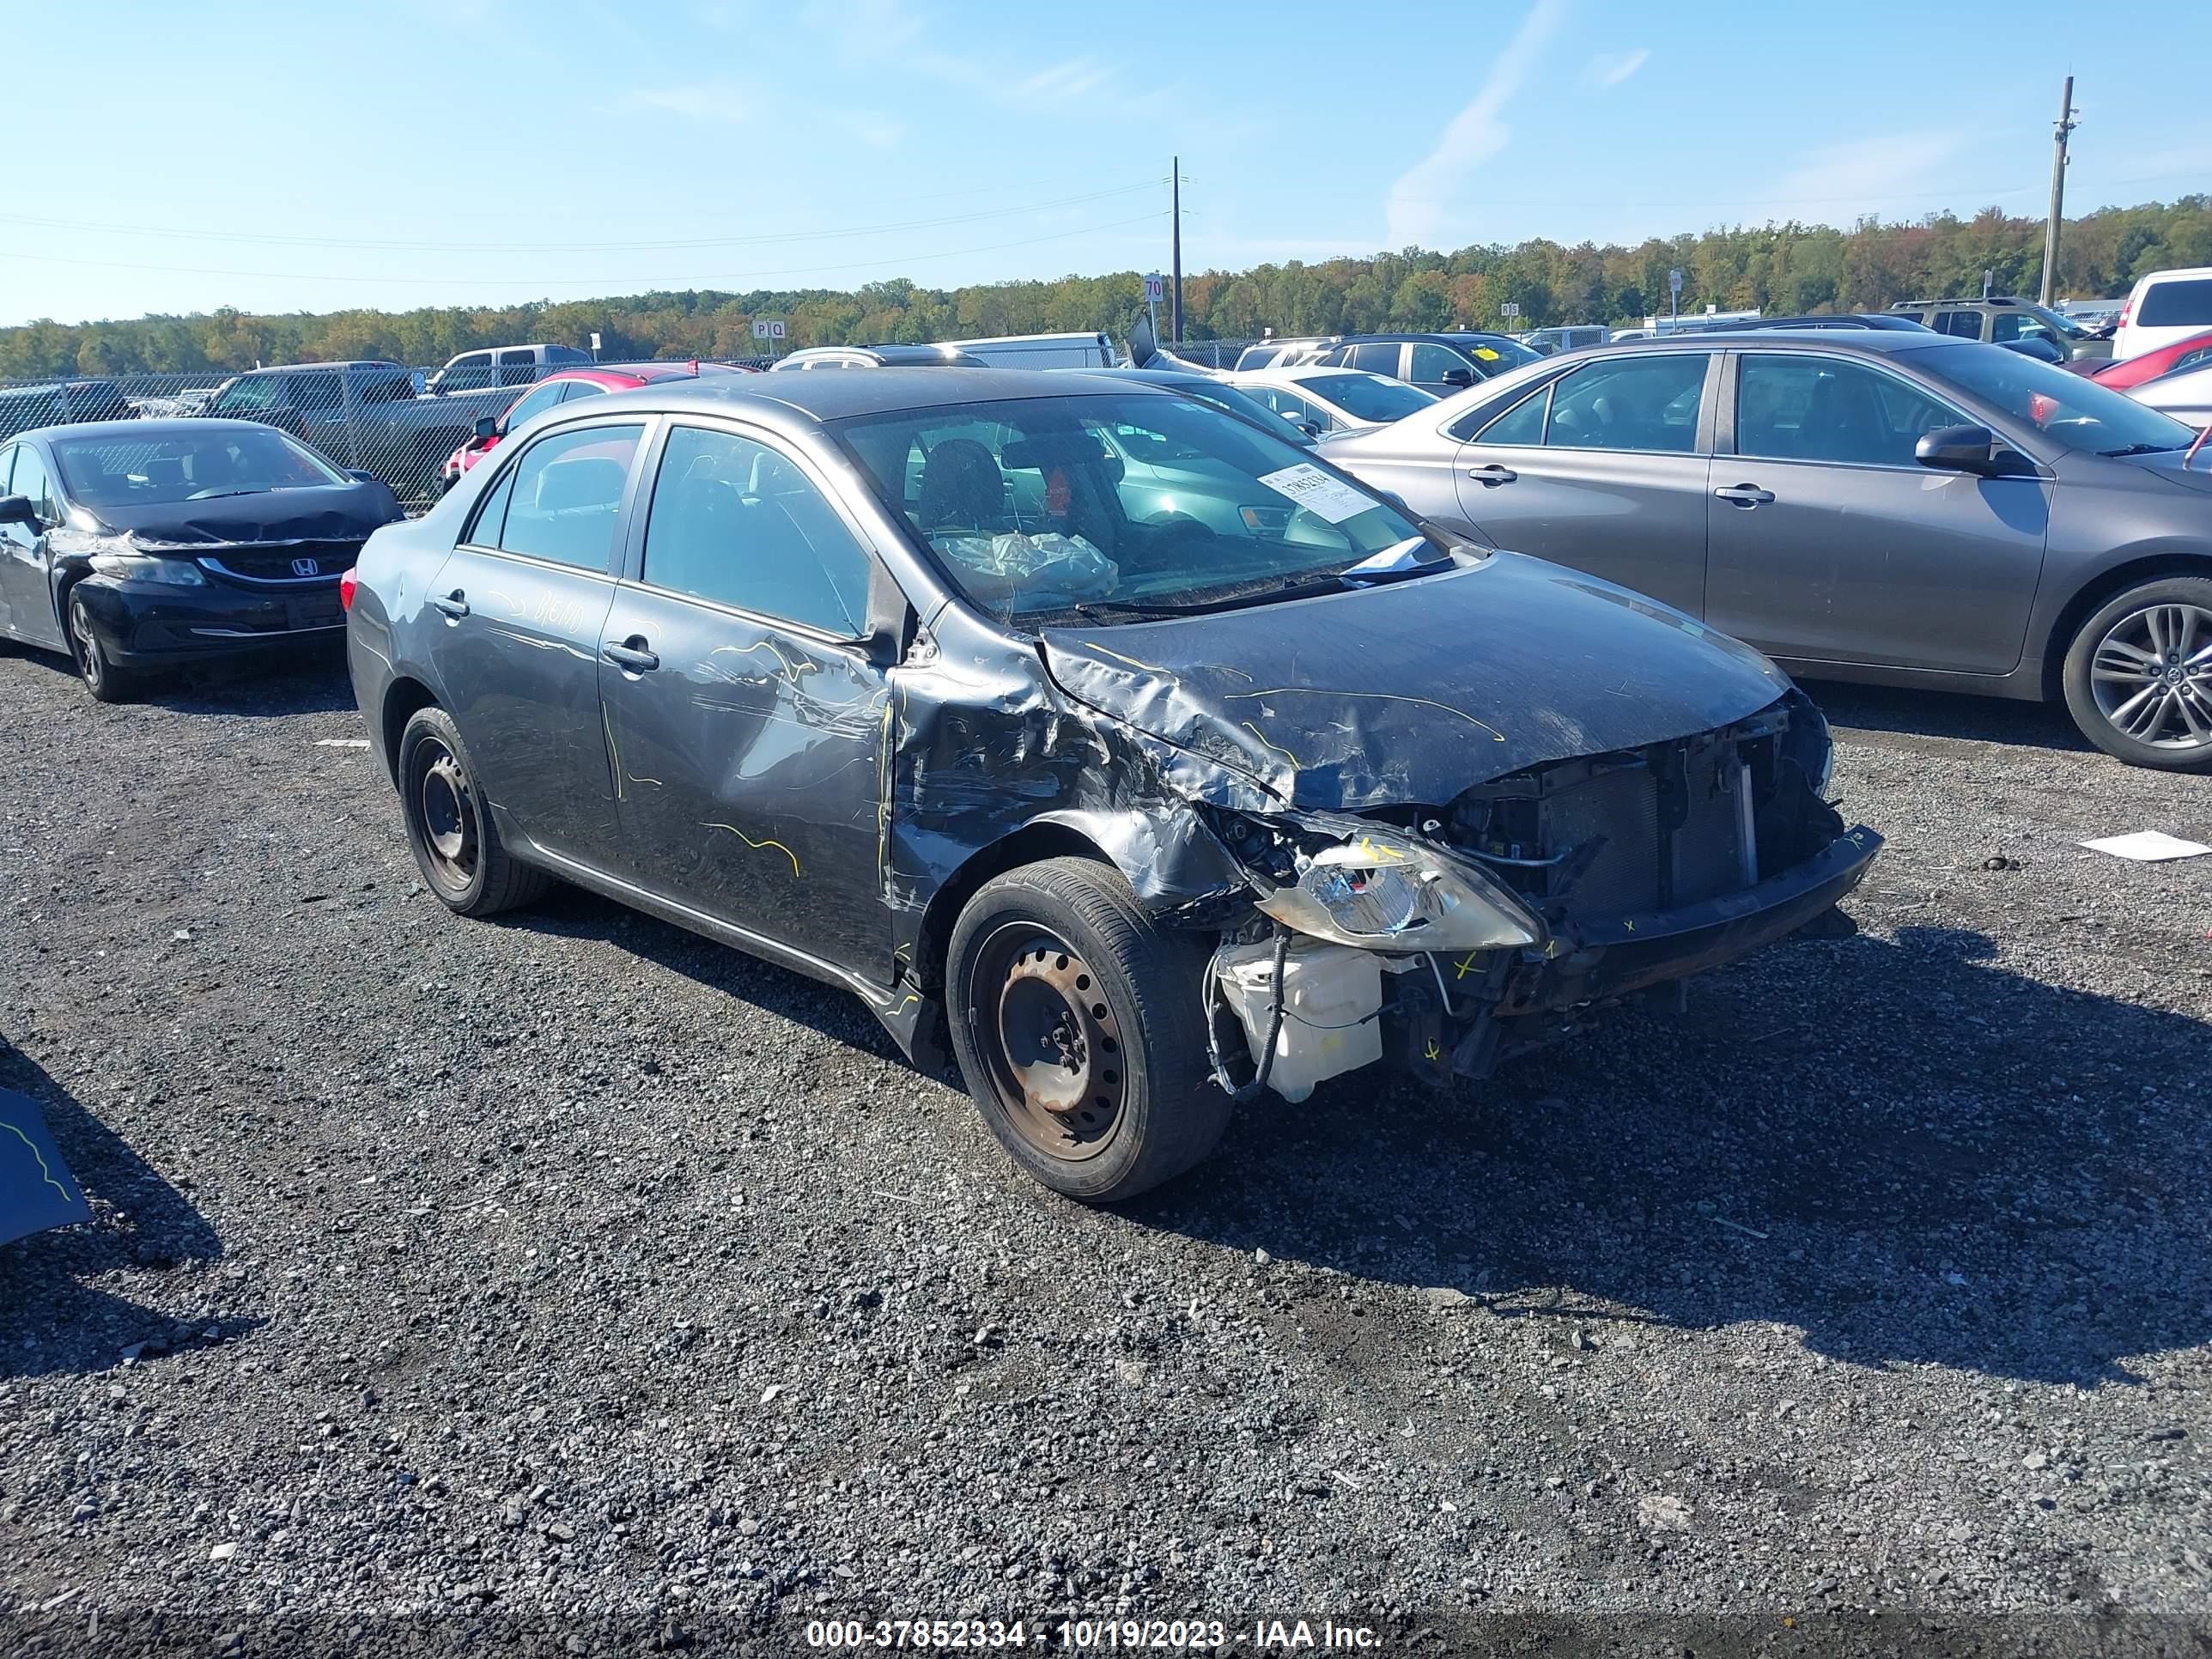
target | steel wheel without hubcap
[
  {"x": 449, "y": 826},
  {"x": 2152, "y": 676},
  {"x": 1054, "y": 1051}
]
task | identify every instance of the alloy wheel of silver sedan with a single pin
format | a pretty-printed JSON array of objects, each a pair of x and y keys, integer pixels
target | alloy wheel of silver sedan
[{"x": 2152, "y": 674}]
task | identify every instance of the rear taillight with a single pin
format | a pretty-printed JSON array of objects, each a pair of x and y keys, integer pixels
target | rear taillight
[
  {"x": 2127, "y": 306},
  {"x": 347, "y": 583}
]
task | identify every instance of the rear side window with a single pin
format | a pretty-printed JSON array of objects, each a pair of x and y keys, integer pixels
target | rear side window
[
  {"x": 562, "y": 500},
  {"x": 1643, "y": 404},
  {"x": 737, "y": 523},
  {"x": 1966, "y": 325},
  {"x": 1376, "y": 358},
  {"x": 2178, "y": 303},
  {"x": 518, "y": 367}
]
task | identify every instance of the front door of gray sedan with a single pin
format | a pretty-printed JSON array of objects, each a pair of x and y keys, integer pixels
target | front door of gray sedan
[
  {"x": 1827, "y": 541},
  {"x": 1603, "y": 469},
  {"x": 746, "y": 719}
]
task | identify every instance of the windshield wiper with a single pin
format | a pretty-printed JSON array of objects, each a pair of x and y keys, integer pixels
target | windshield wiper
[
  {"x": 220, "y": 495},
  {"x": 2139, "y": 449},
  {"x": 1300, "y": 587}
]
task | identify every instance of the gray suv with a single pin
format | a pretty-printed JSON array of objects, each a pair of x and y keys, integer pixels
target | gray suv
[{"x": 1897, "y": 508}]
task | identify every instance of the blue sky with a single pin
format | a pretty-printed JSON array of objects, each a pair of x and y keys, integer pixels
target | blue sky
[{"x": 450, "y": 152}]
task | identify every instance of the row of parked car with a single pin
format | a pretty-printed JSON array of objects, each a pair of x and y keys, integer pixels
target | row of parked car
[{"x": 1143, "y": 737}]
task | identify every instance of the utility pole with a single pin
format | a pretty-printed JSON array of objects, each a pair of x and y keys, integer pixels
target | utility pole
[
  {"x": 1175, "y": 308},
  {"x": 2066, "y": 124}
]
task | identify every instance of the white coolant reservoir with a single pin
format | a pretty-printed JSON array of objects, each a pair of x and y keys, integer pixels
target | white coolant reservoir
[{"x": 1331, "y": 996}]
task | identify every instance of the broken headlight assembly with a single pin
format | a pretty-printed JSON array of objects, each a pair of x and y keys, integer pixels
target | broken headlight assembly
[
  {"x": 1378, "y": 890},
  {"x": 145, "y": 568}
]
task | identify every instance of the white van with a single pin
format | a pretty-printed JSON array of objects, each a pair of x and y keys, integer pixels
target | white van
[
  {"x": 1040, "y": 351},
  {"x": 2162, "y": 307}
]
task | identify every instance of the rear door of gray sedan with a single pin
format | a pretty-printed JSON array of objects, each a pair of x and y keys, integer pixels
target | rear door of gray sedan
[
  {"x": 1603, "y": 469},
  {"x": 1829, "y": 543}
]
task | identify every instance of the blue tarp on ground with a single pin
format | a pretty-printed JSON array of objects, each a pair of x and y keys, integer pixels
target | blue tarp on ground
[{"x": 37, "y": 1190}]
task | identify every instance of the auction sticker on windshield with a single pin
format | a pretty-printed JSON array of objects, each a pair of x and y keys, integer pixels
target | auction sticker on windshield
[{"x": 1315, "y": 490}]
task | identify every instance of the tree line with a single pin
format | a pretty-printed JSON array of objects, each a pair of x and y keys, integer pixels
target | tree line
[{"x": 1779, "y": 268}]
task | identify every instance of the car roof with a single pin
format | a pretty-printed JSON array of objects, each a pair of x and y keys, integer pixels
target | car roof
[
  {"x": 1454, "y": 337},
  {"x": 177, "y": 426},
  {"x": 302, "y": 369},
  {"x": 872, "y": 391},
  {"x": 1885, "y": 341}
]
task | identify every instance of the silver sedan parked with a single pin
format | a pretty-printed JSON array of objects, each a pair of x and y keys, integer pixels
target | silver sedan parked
[
  {"x": 1323, "y": 400},
  {"x": 1898, "y": 509},
  {"x": 2184, "y": 393}
]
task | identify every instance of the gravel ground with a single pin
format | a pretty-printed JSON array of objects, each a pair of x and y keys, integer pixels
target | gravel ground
[{"x": 574, "y": 1279}]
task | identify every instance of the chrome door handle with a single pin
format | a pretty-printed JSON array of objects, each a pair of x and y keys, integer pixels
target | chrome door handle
[
  {"x": 1492, "y": 475},
  {"x": 631, "y": 656},
  {"x": 455, "y": 604},
  {"x": 1744, "y": 494}
]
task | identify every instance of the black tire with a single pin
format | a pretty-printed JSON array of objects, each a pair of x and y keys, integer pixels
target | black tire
[
  {"x": 455, "y": 842},
  {"x": 1034, "y": 954},
  {"x": 2129, "y": 683},
  {"x": 102, "y": 678}
]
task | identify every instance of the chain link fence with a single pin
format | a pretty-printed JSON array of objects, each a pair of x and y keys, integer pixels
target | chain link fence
[{"x": 384, "y": 419}]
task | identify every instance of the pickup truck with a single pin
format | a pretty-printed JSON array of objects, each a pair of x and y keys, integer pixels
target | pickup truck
[{"x": 363, "y": 415}]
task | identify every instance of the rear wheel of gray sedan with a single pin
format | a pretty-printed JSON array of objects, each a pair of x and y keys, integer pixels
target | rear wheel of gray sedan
[
  {"x": 1081, "y": 1029},
  {"x": 456, "y": 843},
  {"x": 2139, "y": 675}
]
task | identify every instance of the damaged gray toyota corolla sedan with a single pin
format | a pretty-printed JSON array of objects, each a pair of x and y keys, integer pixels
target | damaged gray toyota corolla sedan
[{"x": 1150, "y": 759}]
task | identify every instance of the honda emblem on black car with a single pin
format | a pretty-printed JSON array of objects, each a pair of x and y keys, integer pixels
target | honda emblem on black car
[{"x": 306, "y": 568}]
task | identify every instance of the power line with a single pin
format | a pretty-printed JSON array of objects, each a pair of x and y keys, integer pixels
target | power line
[
  {"x": 575, "y": 246},
  {"x": 703, "y": 279}
]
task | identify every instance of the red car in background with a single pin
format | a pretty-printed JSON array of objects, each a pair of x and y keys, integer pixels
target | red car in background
[
  {"x": 566, "y": 385},
  {"x": 2124, "y": 372}
]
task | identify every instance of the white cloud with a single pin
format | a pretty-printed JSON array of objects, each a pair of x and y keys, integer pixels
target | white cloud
[
  {"x": 717, "y": 101},
  {"x": 878, "y": 131},
  {"x": 1609, "y": 68},
  {"x": 1417, "y": 200},
  {"x": 1866, "y": 175}
]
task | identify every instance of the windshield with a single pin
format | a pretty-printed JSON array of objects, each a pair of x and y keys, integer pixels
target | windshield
[
  {"x": 2071, "y": 410},
  {"x": 1114, "y": 506},
  {"x": 155, "y": 472},
  {"x": 1368, "y": 397}
]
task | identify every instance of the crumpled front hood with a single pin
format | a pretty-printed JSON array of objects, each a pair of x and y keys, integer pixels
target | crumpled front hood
[
  {"x": 338, "y": 512},
  {"x": 1411, "y": 692}
]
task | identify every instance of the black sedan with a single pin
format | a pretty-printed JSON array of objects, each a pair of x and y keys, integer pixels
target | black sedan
[
  {"x": 919, "y": 683},
  {"x": 137, "y": 546}
]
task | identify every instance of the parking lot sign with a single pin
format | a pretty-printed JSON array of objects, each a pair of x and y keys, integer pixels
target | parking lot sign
[
  {"x": 1155, "y": 289},
  {"x": 1511, "y": 308},
  {"x": 768, "y": 328}
]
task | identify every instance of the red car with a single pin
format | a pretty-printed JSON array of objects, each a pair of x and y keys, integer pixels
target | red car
[
  {"x": 566, "y": 385},
  {"x": 2125, "y": 372}
]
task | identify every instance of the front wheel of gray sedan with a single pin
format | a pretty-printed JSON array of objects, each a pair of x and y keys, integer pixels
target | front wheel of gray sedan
[
  {"x": 450, "y": 828},
  {"x": 2139, "y": 675}
]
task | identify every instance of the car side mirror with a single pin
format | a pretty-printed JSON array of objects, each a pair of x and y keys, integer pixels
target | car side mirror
[
  {"x": 1458, "y": 377},
  {"x": 1973, "y": 449},
  {"x": 487, "y": 426},
  {"x": 17, "y": 509},
  {"x": 360, "y": 475},
  {"x": 1311, "y": 429}
]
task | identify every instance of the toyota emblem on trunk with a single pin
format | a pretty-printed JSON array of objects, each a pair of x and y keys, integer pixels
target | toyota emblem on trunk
[{"x": 306, "y": 568}]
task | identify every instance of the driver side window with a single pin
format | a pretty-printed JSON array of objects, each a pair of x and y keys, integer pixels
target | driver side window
[{"x": 737, "y": 523}]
